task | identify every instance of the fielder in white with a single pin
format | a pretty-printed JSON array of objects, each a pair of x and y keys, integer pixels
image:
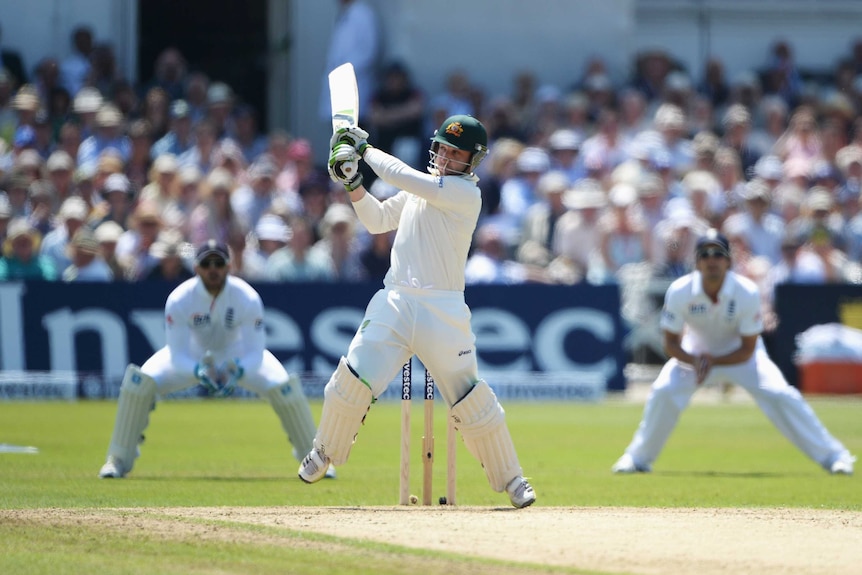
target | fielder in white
[
  {"x": 712, "y": 324},
  {"x": 421, "y": 308},
  {"x": 215, "y": 338}
]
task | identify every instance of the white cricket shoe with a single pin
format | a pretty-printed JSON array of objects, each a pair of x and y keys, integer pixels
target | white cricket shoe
[
  {"x": 113, "y": 468},
  {"x": 314, "y": 467},
  {"x": 843, "y": 465},
  {"x": 626, "y": 464},
  {"x": 521, "y": 493}
]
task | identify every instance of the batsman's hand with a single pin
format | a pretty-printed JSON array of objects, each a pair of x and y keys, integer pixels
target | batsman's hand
[
  {"x": 354, "y": 136},
  {"x": 344, "y": 166},
  {"x": 231, "y": 372}
]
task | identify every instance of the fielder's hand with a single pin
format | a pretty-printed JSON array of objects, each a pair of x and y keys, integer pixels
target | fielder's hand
[
  {"x": 354, "y": 136},
  {"x": 231, "y": 372},
  {"x": 344, "y": 166},
  {"x": 704, "y": 364},
  {"x": 207, "y": 377}
]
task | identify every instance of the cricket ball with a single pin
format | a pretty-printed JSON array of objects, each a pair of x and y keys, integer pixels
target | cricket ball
[{"x": 414, "y": 500}]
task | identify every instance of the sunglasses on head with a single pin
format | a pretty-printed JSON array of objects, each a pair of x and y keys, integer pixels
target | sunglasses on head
[
  {"x": 213, "y": 263},
  {"x": 711, "y": 253}
]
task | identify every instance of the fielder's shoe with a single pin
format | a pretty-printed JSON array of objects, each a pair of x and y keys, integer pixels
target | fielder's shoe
[
  {"x": 113, "y": 468},
  {"x": 843, "y": 465},
  {"x": 314, "y": 467},
  {"x": 521, "y": 493},
  {"x": 626, "y": 464}
]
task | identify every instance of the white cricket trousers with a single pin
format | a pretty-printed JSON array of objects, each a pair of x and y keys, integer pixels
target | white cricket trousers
[
  {"x": 432, "y": 324},
  {"x": 782, "y": 403},
  {"x": 270, "y": 374}
]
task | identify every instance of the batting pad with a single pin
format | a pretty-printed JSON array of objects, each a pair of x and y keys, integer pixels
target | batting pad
[
  {"x": 137, "y": 395},
  {"x": 345, "y": 402},
  {"x": 291, "y": 406},
  {"x": 482, "y": 422}
]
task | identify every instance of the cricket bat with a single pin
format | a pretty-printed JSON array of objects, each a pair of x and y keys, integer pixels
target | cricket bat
[{"x": 344, "y": 103}]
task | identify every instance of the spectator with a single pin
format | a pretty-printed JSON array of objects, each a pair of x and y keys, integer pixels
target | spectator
[
  {"x": 202, "y": 152},
  {"x": 85, "y": 106},
  {"x": 133, "y": 247},
  {"x": 541, "y": 219},
  {"x": 156, "y": 111},
  {"x": 564, "y": 146},
  {"x": 103, "y": 69},
  {"x": 42, "y": 204},
  {"x": 247, "y": 133},
  {"x": 270, "y": 234},
  {"x": 623, "y": 237},
  {"x": 252, "y": 200},
  {"x": 355, "y": 39},
  {"x": 170, "y": 73},
  {"x": 108, "y": 234},
  {"x": 763, "y": 230},
  {"x": 13, "y": 63},
  {"x": 69, "y": 139},
  {"x": 75, "y": 68},
  {"x": 59, "y": 169},
  {"x": 576, "y": 236},
  {"x": 20, "y": 259},
  {"x": 139, "y": 161},
  {"x": 167, "y": 256},
  {"x": 197, "y": 86},
  {"x": 714, "y": 84},
  {"x": 297, "y": 262},
  {"x": 220, "y": 104},
  {"x": 162, "y": 189},
  {"x": 18, "y": 194},
  {"x": 339, "y": 244},
  {"x": 518, "y": 193},
  {"x": 500, "y": 167},
  {"x": 117, "y": 192},
  {"x": 489, "y": 263},
  {"x": 86, "y": 263},
  {"x": 397, "y": 115},
  {"x": 801, "y": 141},
  {"x": 108, "y": 135},
  {"x": 737, "y": 127},
  {"x": 178, "y": 209},
  {"x": 315, "y": 196},
  {"x": 214, "y": 217},
  {"x": 178, "y": 140},
  {"x": 5, "y": 216},
  {"x": 71, "y": 217}
]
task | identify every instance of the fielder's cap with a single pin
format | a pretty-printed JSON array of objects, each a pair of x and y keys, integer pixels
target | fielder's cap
[
  {"x": 211, "y": 248},
  {"x": 715, "y": 239}
]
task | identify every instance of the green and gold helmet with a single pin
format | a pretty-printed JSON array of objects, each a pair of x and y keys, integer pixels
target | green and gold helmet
[{"x": 464, "y": 133}]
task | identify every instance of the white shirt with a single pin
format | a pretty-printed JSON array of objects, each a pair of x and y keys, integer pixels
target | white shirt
[
  {"x": 435, "y": 218},
  {"x": 229, "y": 325},
  {"x": 714, "y": 328}
]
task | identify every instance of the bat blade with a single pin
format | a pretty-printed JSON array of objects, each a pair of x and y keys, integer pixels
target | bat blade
[{"x": 343, "y": 97}]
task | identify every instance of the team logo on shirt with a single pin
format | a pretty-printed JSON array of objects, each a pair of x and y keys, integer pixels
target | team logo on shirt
[
  {"x": 200, "y": 319},
  {"x": 697, "y": 308},
  {"x": 731, "y": 309},
  {"x": 228, "y": 318}
]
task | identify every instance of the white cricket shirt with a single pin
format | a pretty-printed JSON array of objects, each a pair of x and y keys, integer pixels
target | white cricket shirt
[
  {"x": 229, "y": 325},
  {"x": 435, "y": 218},
  {"x": 711, "y": 327}
]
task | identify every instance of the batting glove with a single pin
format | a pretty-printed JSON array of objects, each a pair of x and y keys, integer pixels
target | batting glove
[
  {"x": 354, "y": 136},
  {"x": 233, "y": 372},
  {"x": 344, "y": 167}
]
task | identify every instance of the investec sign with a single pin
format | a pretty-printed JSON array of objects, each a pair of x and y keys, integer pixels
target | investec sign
[{"x": 99, "y": 328}]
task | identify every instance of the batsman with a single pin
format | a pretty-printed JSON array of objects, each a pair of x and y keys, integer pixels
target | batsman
[
  {"x": 216, "y": 339},
  {"x": 421, "y": 308}
]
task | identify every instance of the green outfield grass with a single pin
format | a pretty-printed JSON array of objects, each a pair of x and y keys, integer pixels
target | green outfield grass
[{"x": 233, "y": 453}]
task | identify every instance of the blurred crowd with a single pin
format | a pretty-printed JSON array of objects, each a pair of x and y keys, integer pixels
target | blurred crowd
[{"x": 103, "y": 180}]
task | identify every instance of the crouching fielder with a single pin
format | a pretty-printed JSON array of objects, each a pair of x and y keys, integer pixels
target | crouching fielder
[
  {"x": 421, "y": 308},
  {"x": 711, "y": 321},
  {"x": 215, "y": 338}
]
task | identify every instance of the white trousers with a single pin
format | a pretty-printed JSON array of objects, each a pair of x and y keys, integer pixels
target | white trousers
[
  {"x": 168, "y": 380},
  {"x": 433, "y": 325},
  {"x": 782, "y": 403}
]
